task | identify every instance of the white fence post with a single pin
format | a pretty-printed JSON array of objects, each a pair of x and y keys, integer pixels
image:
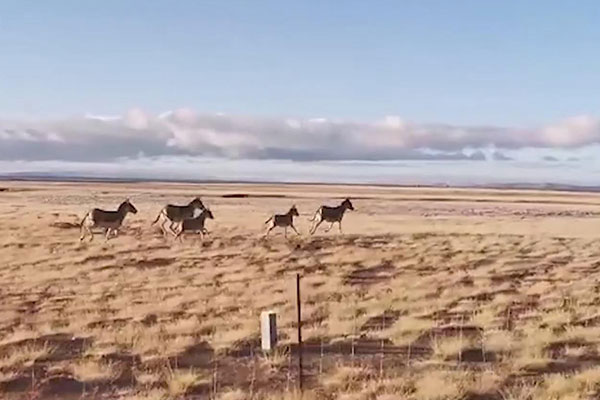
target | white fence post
[{"x": 268, "y": 330}]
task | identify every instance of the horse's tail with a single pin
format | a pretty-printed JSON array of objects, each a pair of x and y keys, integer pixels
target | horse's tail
[
  {"x": 158, "y": 216},
  {"x": 316, "y": 213},
  {"x": 83, "y": 220}
]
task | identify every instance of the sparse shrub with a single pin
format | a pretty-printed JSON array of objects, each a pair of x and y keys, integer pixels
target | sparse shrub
[
  {"x": 95, "y": 371},
  {"x": 179, "y": 382}
]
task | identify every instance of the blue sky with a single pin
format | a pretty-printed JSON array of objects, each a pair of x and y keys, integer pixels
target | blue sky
[
  {"x": 516, "y": 67},
  {"x": 471, "y": 62}
]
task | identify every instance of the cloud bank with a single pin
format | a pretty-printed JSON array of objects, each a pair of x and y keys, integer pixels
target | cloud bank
[{"x": 184, "y": 132}]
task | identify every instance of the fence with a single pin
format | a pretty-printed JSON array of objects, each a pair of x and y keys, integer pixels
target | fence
[{"x": 295, "y": 363}]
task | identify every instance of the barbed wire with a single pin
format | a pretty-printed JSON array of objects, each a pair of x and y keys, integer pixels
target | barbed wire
[{"x": 338, "y": 344}]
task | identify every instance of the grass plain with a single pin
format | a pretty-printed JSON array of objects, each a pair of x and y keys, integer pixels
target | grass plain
[{"x": 428, "y": 294}]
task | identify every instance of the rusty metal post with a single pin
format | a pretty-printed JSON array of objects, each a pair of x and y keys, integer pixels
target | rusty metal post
[{"x": 299, "y": 322}]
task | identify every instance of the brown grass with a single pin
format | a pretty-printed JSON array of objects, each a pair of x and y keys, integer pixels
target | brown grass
[
  {"x": 90, "y": 371},
  {"x": 466, "y": 298}
]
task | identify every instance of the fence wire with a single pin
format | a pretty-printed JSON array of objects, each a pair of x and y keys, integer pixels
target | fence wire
[{"x": 243, "y": 364}]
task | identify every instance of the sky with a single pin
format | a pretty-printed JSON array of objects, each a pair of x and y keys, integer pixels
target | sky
[{"x": 386, "y": 90}]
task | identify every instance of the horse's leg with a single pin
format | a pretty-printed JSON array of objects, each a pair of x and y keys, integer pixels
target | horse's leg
[
  {"x": 269, "y": 230},
  {"x": 314, "y": 229},
  {"x": 294, "y": 228}
]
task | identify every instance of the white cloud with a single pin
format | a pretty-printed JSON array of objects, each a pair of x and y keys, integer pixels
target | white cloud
[
  {"x": 187, "y": 132},
  {"x": 102, "y": 117},
  {"x": 137, "y": 119},
  {"x": 573, "y": 132},
  {"x": 393, "y": 122}
]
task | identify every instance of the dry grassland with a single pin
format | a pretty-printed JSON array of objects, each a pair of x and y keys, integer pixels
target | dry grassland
[{"x": 429, "y": 294}]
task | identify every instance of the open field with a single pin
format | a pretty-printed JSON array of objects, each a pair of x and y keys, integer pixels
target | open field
[{"x": 428, "y": 294}]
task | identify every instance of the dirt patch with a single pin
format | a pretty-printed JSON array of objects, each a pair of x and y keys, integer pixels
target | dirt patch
[
  {"x": 379, "y": 322},
  {"x": 64, "y": 225},
  {"x": 18, "y": 384},
  {"x": 371, "y": 275},
  {"x": 152, "y": 262},
  {"x": 477, "y": 355},
  {"x": 99, "y": 257},
  {"x": 61, "y": 386},
  {"x": 197, "y": 355},
  {"x": 259, "y": 196},
  {"x": 64, "y": 346},
  {"x": 109, "y": 323}
]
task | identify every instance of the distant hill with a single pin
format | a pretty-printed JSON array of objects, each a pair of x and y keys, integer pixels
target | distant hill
[
  {"x": 543, "y": 186},
  {"x": 74, "y": 177}
]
